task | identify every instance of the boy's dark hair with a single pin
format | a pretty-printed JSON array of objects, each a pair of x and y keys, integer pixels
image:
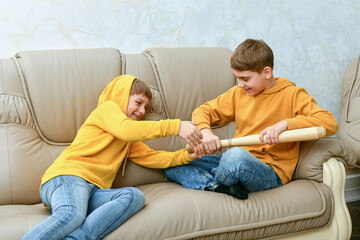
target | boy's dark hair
[
  {"x": 140, "y": 87},
  {"x": 252, "y": 55}
]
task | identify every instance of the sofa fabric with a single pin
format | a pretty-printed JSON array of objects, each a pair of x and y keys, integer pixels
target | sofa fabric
[{"x": 45, "y": 96}]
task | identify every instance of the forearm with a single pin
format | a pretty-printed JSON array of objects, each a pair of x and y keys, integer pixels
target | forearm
[
  {"x": 142, "y": 155},
  {"x": 324, "y": 119},
  {"x": 309, "y": 114},
  {"x": 111, "y": 119}
]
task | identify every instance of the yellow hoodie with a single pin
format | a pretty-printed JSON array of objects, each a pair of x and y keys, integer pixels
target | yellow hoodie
[
  {"x": 252, "y": 114},
  {"x": 103, "y": 141}
]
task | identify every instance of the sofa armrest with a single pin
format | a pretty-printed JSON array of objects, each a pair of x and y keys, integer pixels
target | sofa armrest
[{"x": 313, "y": 154}]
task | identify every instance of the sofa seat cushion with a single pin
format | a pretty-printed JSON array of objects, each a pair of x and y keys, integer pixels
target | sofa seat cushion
[
  {"x": 173, "y": 212},
  {"x": 16, "y": 220}
]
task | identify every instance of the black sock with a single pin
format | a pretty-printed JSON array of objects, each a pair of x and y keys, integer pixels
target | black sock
[{"x": 234, "y": 190}]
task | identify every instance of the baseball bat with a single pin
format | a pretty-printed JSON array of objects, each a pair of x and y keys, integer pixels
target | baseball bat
[{"x": 296, "y": 135}]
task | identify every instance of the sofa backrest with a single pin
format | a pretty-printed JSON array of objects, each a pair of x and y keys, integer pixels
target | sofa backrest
[
  {"x": 181, "y": 80},
  {"x": 349, "y": 125},
  {"x": 45, "y": 96}
]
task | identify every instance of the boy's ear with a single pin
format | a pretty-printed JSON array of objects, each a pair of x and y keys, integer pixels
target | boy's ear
[{"x": 268, "y": 72}]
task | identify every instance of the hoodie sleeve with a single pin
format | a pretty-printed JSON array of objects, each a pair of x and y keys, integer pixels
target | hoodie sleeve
[
  {"x": 143, "y": 155},
  {"x": 308, "y": 114},
  {"x": 110, "y": 118},
  {"x": 220, "y": 110}
]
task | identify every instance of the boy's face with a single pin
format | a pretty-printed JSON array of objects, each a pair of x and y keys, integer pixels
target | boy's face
[
  {"x": 252, "y": 82},
  {"x": 136, "y": 107}
]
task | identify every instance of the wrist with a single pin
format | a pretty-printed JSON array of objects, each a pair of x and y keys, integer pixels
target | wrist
[
  {"x": 201, "y": 126},
  {"x": 206, "y": 130}
]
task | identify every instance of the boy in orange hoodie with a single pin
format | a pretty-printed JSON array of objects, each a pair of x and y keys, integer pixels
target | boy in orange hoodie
[
  {"x": 259, "y": 104},
  {"x": 76, "y": 187}
]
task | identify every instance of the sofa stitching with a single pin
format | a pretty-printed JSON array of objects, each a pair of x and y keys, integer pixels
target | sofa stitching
[
  {"x": 14, "y": 97},
  {"x": 29, "y": 103},
  {"x": 350, "y": 93},
  {"x": 157, "y": 78},
  {"x": 6, "y": 134},
  {"x": 9, "y": 165}
]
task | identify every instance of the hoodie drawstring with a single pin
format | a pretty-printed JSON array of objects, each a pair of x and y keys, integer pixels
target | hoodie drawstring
[{"x": 127, "y": 154}]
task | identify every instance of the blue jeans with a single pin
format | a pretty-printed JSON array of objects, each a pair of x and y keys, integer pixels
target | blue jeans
[
  {"x": 235, "y": 166},
  {"x": 80, "y": 210}
]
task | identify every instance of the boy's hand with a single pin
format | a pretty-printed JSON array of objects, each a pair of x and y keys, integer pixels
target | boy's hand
[
  {"x": 190, "y": 133},
  {"x": 272, "y": 133},
  {"x": 210, "y": 141},
  {"x": 199, "y": 152}
]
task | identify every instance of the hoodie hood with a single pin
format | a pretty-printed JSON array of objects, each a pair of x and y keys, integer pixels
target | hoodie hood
[
  {"x": 118, "y": 91},
  {"x": 281, "y": 83}
]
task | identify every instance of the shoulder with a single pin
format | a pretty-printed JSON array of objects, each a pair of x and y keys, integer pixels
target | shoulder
[
  {"x": 232, "y": 92},
  {"x": 295, "y": 90},
  {"x": 235, "y": 90}
]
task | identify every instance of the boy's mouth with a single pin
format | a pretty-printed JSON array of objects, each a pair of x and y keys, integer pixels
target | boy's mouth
[{"x": 137, "y": 117}]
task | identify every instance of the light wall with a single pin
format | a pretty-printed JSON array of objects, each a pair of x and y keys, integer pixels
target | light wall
[{"x": 313, "y": 40}]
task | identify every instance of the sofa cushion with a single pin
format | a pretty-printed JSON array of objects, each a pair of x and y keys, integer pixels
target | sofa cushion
[
  {"x": 194, "y": 213},
  {"x": 16, "y": 220},
  {"x": 298, "y": 206},
  {"x": 63, "y": 86}
]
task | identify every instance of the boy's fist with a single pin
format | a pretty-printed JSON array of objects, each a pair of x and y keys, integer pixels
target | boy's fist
[
  {"x": 199, "y": 152},
  {"x": 210, "y": 141},
  {"x": 190, "y": 133},
  {"x": 272, "y": 133}
]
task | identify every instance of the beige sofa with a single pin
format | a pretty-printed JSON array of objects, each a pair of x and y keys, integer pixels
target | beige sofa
[{"x": 45, "y": 96}]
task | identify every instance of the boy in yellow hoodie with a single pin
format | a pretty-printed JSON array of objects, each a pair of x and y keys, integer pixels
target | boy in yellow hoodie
[
  {"x": 76, "y": 187},
  {"x": 259, "y": 104}
]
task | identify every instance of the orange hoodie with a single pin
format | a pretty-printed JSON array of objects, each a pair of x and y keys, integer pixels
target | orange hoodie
[
  {"x": 103, "y": 141},
  {"x": 252, "y": 114}
]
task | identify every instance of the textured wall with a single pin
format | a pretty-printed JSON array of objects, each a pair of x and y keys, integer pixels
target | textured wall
[{"x": 313, "y": 40}]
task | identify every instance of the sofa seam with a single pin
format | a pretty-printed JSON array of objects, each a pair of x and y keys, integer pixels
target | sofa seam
[
  {"x": 7, "y": 136},
  {"x": 350, "y": 93},
  {"x": 300, "y": 160},
  {"x": 29, "y": 104},
  {"x": 157, "y": 78},
  {"x": 9, "y": 165}
]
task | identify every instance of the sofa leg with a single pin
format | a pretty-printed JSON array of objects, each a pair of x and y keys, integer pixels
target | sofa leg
[{"x": 334, "y": 175}]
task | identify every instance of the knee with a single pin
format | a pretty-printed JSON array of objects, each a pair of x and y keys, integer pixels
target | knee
[
  {"x": 234, "y": 157},
  {"x": 135, "y": 197},
  {"x": 232, "y": 162},
  {"x": 236, "y": 151},
  {"x": 70, "y": 216},
  {"x": 139, "y": 196}
]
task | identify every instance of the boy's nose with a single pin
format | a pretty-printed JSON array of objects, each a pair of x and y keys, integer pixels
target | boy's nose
[
  {"x": 142, "y": 110},
  {"x": 240, "y": 85}
]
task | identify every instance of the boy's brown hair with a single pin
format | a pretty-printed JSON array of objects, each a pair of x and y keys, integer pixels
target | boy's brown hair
[
  {"x": 140, "y": 87},
  {"x": 252, "y": 55}
]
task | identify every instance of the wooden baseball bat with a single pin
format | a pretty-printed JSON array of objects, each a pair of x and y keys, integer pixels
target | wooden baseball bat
[{"x": 296, "y": 135}]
